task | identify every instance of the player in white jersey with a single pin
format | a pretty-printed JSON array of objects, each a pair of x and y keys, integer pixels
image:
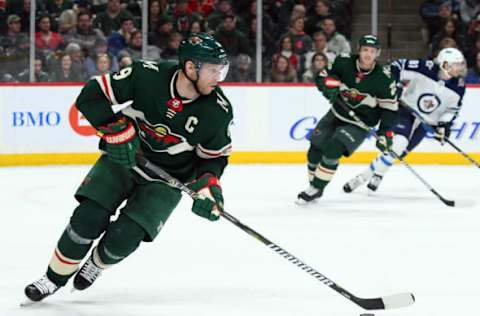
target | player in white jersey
[{"x": 432, "y": 90}]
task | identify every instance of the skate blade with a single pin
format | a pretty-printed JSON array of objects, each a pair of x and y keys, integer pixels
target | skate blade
[
  {"x": 301, "y": 202},
  {"x": 27, "y": 302}
]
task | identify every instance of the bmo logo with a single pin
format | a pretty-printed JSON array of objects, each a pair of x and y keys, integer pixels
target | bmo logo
[{"x": 79, "y": 123}]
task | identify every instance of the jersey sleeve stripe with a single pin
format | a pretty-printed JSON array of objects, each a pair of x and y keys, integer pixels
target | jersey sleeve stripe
[
  {"x": 105, "y": 85},
  {"x": 388, "y": 104},
  {"x": 209, "y": 154}
]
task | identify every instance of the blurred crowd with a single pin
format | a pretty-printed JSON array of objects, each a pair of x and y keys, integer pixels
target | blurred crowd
[
  {"x": 78, "y": 39},
  {"x": 454, "y": 23}
]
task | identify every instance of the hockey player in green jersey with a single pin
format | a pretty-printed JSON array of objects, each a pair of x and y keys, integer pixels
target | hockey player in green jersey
[
  {"x": 179, "y": 119},
  {"x": 365, "y": 87}
]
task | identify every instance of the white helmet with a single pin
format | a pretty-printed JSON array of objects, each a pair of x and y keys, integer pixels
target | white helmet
[{"x": 451, "y": 61}]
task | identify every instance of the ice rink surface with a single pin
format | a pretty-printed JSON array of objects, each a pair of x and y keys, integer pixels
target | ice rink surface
[{"x": 401, "y": 239}]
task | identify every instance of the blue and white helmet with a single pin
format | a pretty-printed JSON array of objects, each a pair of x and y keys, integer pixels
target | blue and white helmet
[{"x": 450, "y": 58}]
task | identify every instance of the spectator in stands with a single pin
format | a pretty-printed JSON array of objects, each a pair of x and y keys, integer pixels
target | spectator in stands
[
  {"x": 318, "y": 62},
  {"x": 124, "y": 61},
  {"x": 171, "y": 51},
  {"x": 286, "y": 49},
  {"x": 444, "y": 43},
  {"x": 17, "y": 59},
  {"x": 76, "y": 55},
  {"x": 315, "y": 18},
  {"x": 434, "y": 14},
  {"x": 46, "y": 40},
  {"x": 301, "y": 41},
  {"x": 342, "y": 14},
  {"x": 84, "y": 34},
  {"x": 99, "y": 48},
  {"x": 280, "y": 14},
  {"x": 282, "y": 71},
  {"x": 336, "y": 42},
  {"x": 234, "y": 41},
  {"x": 56, "y": 7},
  {"x": 67, "y": 21},
  {"x": 65, "y": 71},
  {"x": 112, "y": 18},
  {"x": 22, "y": 9},
  {"x": 165, "y": 7},
  {"x": 319, "y": 46},
  {"x": 202, "y": 7},
  {"x": 196, "y": 27},
  {"x": 183, "y": 17},
  {"x": 103, "y": 64},
  {"x": 154, "y": 13},
  {"x": 469, "y": 9},
  {"x": 134, "y": 48},
  {"x": 473, "y": 29},
  {"x": 298, "y": 11},
  {"x": 40, "y": 75},
  {"x": 242, "y": 70},
  {"x": 215, "y": 19},
  {"x": 473, "y": 75},
  {"x": 9, "y": 41},
  {"x": 160, "y": 36},
  {"x": 472, "y": 51},
  {"x": 118, "y": 40},
  {"x": 268, "y": 42},
  {"x": 450, "y": 29}
]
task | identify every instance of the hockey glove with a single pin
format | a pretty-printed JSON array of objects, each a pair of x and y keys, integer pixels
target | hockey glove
[
  {"x": 121, "y": 141},
  {"x": 442, "y": 131},
  {"x": 384, "y": 141},
  {"x": 209, "y": 203},
  {"x": 328, "y": 86}
]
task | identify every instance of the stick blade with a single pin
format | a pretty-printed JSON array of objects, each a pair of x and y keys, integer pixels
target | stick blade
[{"x": 398, "y": 300}]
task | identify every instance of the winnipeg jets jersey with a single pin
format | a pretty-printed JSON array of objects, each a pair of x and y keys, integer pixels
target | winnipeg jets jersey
[{"x": 436, "y": 100}]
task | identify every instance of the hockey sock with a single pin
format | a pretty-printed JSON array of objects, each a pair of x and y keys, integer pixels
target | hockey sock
[
  {"x": 121, "y": 239},
  {"x": 384, "y": 161},
  {"x": 313, "y": 156},
  {"x": 328, "y": 164},
  {"x": 324, "y": 172},
  {"x": 381, "y": 164},
  {"x": 88, "y": 221}
]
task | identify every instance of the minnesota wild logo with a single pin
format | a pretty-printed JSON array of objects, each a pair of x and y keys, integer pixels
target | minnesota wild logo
[
  {"x": 353, "y": 97},
  {"x": 160, "y": 138},
  {"x": 195, "y": 40}
]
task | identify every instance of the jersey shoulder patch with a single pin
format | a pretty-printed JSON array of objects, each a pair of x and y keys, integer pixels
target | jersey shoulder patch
[{"x": 424, "y": 66}]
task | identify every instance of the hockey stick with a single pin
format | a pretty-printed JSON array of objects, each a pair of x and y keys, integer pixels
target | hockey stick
[
  {"x": 392, "y": 153},
  {"x": 464, "y": 154},
  {"x": 385, "y": 302},
  {"x": 432, "y": 130}
]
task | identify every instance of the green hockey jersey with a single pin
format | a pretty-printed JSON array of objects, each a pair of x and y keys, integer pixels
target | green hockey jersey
[
  {"x": 181, "y": 136},
  {"x": 371, "y": 95}
]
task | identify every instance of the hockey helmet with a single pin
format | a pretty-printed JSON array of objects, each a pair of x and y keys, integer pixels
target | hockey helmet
[
  {"x": 454, "y": 61},
  {"x": 369, "y": 40},
  {"x": 202, "y": 48}
]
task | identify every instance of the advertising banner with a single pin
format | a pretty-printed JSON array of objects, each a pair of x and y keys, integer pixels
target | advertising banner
[{"x": 43, "y": 119}]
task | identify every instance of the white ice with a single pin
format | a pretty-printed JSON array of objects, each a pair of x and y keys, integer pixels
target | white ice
[{"x": 401, "y": 239}]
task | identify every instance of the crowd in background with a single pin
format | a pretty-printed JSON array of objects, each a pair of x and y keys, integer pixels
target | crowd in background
[
  {"x": 454, "y": 23},
  {"x": 78, "y": 39}
]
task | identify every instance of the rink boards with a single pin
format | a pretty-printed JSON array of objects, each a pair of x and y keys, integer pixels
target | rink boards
[{"x": 40, "y": 125}]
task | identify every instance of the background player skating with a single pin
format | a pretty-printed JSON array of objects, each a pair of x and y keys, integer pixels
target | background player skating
[
  {"x": 431, "y": 90},
  {"x": 365, "y": 87}
]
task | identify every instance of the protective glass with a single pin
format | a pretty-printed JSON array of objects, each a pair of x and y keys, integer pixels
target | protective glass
[{"x": 214, "y": 71}]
